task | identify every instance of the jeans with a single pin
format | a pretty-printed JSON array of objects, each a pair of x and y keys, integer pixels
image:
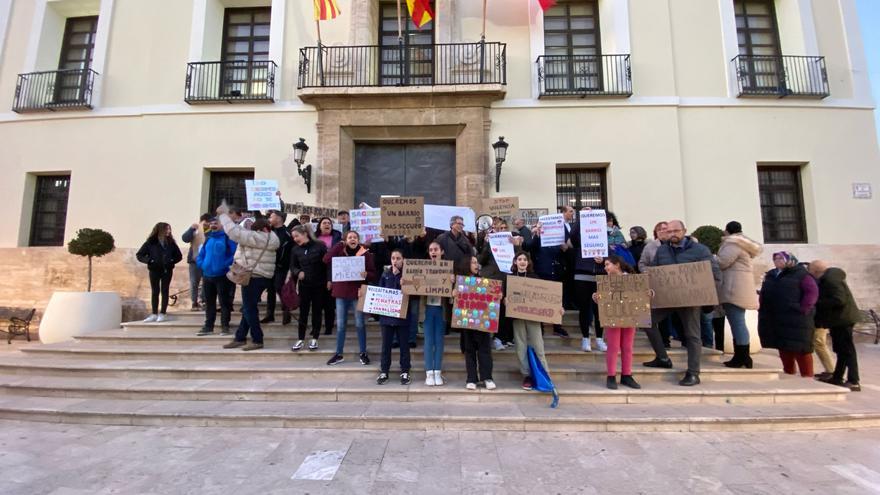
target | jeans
[
  {"x": 690, "y": 319},
  {"x": 737, "y": 318},
  {"x": 435, "y": 337},
  {"x": 588, "y": 310},
  {"x": 477, "y": 352},
  {"x": 217, "y": 288},
  {"x": 343, "y": 306},
  {"x": 845, "y": 348},
  {"x": 311, "y": 299},
  {"x": 820, "y": 346},
  {"x": 389, "y": 332},
  {"x": 160, "y": 281},
  {"x": 250, "y": 313},
  {"x": 619, "y": 340},
  {"x": 528, "y": 334},
  {"x": 707, "y": 332},
  {"x": 195, "y": 279}
]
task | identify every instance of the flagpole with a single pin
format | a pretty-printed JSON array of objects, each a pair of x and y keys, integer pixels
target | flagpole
[
  {"x": 483, "y": 45},
  {"x": 483, "y": 35},
  {"x": 400, "y": 41},
  {"x": 320, "y": 51}
]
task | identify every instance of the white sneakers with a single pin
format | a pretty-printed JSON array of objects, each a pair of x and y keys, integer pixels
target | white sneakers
[
  {"x": 585, "y": 345},
  {"x": 297, "y": 346},
  {"x": 313, "y": 345},
  {"x": 499, "y": 346},
  {"x": 600, "y": 344},
  {"x": 429, "y": 381},
  {"x": 161, "y": 318},
  {"x": 151, "y": 318},
  {"x": 490, "y": 385},
  {"x": 471, "y": 386}
]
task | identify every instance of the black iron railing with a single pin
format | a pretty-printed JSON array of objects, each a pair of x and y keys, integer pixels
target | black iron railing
[
  {"x": 69, "y": 89},
  {"x": 239, "y": 81},
  {"x": 761, "y": 75},
  {"x": 584, "y": 75},
  {"x": 403, "y": 65}
]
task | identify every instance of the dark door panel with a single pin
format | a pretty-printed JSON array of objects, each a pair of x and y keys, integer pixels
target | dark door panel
[
  {"x": 426, "y": 170},
  {"x": 430, "y": 172}
]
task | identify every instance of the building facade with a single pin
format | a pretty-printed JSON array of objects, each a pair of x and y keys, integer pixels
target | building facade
[{"x": 117, "y": 114}]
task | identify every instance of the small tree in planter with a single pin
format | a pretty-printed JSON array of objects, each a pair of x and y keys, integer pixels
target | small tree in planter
[
  {"x": 709, "y": 236},
  {"x": 91, "y": 243}
]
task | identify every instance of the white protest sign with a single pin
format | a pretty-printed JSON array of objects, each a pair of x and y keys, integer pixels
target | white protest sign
[
  {"x": 383, "y": 301},
  {"x": 503, "y": 251},
  {"x": 594, "y": 234},
  {"x": 368, "y": 223},
  {"x": 261, "y": 195},
  {"x": 552, "y": 230},
  {"x": 437, "y": 217},
  {"x": 347, "y": 268}
]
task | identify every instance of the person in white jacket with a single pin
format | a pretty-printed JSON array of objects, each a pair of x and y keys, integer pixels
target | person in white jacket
[{"x": 256, "y": 252}]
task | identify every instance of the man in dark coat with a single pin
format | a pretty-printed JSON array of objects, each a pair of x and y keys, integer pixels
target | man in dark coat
[
  {"x": 680, "y": 249},
  {"x": 836, "y": 310},
  {"x": 456, "y": 245}
]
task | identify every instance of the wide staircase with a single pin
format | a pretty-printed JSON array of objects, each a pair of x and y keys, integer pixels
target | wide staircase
[{"x": 163, "y": 374}]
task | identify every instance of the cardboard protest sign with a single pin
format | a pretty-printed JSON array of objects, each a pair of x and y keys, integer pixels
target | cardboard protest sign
[
  {"x": 368, "y": 223},
  {"x": 403, "y": 216},
  {"x": 347, "y": 268},
  {"x": 552, "y": 230},
  {"x": 501, "y": 244},
  {"x": 534, "y": 300},
  {"x": 594, "y": 234},
  {"x": 532, "y": 215},
  {"x": 427, "y": 278},
  {"x": 262, "y": 195},
  {"x": 478, "y": 304},
  {"x": 313, "y": 211},
  {"x": 506, "y": 208},
  {"x": 383, "y": 302},
  {"x": 437, "y": 217},
  {"x": 685, "y": 285},
  {"x": 624, "y": 300}
]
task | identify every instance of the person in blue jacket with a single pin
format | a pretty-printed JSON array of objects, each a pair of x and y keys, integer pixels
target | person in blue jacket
[
  {"x": 214, "y": 259},
  {"x": 392, "y": 326}
]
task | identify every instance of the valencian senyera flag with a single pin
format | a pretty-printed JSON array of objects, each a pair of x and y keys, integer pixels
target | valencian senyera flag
[
  {"x": 326, "y": 10},
  {"x": 420, "y": 11},
  {"x": 546, "y": 4}
]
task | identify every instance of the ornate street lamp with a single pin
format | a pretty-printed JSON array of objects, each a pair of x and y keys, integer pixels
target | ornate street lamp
[
  {"x": 299, "y": 156},
  {"x": 500, "y": 148}
]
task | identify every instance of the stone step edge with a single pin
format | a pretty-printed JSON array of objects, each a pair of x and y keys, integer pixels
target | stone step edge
[{"x": 804, "y": 422}]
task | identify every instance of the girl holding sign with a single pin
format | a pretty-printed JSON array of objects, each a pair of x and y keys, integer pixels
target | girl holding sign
[
  {"x": 618, "y": 339},
  {"x": 477, "y": 344},
  {"x": 435, "y": 328},
  {"x": 330, "y": 237},
  {"x": 527, "y": 333},
  {"x": 392, "y": 326}
]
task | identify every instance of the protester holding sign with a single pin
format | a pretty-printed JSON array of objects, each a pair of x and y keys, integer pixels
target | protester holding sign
[
  {"x": 435, "y": 328},
  {"x": 477, "y": 344},
  {"x": 307, "y": 267},
  {"x": 588, "y": 264},
  {"x": 492, "y": 268},
  {"x": 527, "y": 333},
  {"x": 618, "y": 339},
  {"x": 392, "y": 326},
  {"x": 346, "y": 294},
  {"x": 330, "y": 237},
  {"x": 548, "y": 259},
  {"x": 455, "y": 243}
]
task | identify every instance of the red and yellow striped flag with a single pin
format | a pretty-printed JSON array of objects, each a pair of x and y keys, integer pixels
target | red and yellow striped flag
[
  {"x": 420, "y": 11},
  {"x": 546, "y": 4},
  {"x": 326, "y": 10}
]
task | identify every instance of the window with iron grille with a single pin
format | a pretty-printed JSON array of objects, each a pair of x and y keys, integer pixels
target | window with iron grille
[
  {"x": 758, "y": 36},
  {"x": 415, "y": 64},
  {"x": 77, "y": 49},
  {"x": 572, "y": 47},
  {"x": 228, "y": 186},
  {"x": 245, "y": 51},
  {"x": 782, "y": 204},
  {"x": 580, "y": 188},
  {"x": 50, "y": 210}
]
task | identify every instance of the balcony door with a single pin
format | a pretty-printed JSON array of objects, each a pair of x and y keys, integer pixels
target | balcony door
[
  {"x": 760, "y": 64},
  {"x": 415, "y": 169},
  {"x": 572, "y": 48},
  {"x": 413, "y": 64},
  {"x": 245, "y": 67},
  {"x": 77, "y": 48}
]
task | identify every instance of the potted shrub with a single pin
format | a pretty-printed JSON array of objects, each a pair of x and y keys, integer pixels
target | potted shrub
[{"x": 69, "y": 314}]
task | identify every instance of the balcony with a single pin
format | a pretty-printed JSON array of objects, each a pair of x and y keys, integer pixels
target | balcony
[
  {"x": 437, "y": 68},
  {"x": 69, "y": 89},
  {"x": 230, "y": 82},
  {"x": 584, "y": 75},
  {"x": 781, "y": 76}
]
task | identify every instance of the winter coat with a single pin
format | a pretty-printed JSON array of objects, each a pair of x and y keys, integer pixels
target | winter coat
[
  {"x": 690, "y": 251},
  {"x": 349, "y": 290},
  {"x": 195, "y": 238},
  {"x": 737, "y": 278},
  {"x": 785, "y": 320},
  {"x": 649, "y": 252},
  {"x": 157, "y": 258},
  {"x": 615, "y": 237},
  {"x": 251, "y": 244},
  {"x": 455, "y": 249},
  {"x": 836, "y": 306},
  {"x": 636, "y": 248},
  {"x": 309, "y": 259},
  {"x": 391, "y": 281},
  {"x": 546, "y": 260},
  {"x": 216, "y": 254},
  {"x": 282, "y": 255},
  {"x": 583, "y": 266}
]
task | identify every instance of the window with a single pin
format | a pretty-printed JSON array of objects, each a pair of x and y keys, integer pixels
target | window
[
  {"x": 782, "y": 204},
  {"x": 228, "y": 186},
  {"x": 572, "y": 47},
  {"x": 245, "y": 69},
  {"x": 77, "y": 49},
  {"x": 580, "y": 188},
  {"x": 50, "y": 210},
  {"x": 415, "y": 64},
  {"x": 758, "y": 37}
]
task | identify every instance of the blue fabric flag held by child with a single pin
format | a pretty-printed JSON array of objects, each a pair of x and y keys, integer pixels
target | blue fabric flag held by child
[{"x": 541, "y": 378}]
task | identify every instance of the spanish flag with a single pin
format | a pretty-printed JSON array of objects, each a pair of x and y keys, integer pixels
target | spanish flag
[
  {"x": 326, "y": 10},
  {"x": 546, "y": 4},
  {"x": 420, "y": 11}
]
